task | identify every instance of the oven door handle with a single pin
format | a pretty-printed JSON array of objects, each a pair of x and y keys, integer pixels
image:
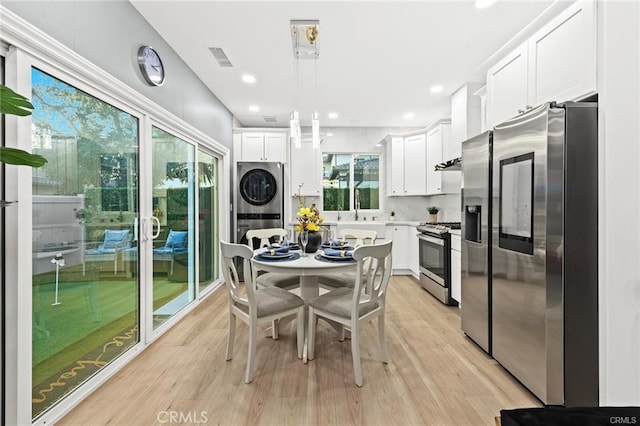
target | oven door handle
[{"x": 433, "y": 240}]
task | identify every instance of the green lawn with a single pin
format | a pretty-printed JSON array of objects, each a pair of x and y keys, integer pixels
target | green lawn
[{"x": 95, "y": 321}]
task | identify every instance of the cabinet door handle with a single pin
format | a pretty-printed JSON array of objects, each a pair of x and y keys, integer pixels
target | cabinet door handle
[
  {"x": 528, "y": 107},
  {"x": 520, "y": 111}
]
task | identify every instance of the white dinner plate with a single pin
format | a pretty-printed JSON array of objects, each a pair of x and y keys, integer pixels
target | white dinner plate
[{"x": 267, "y": 255}]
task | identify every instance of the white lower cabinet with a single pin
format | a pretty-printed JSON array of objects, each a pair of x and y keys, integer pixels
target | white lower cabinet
[
  {"x": 456, "y": 266},
  {"x": 405, "y": 249},
  {"x": 399, "y": 251}
]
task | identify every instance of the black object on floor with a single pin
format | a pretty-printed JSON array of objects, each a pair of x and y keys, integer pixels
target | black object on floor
[{"x": 579, "y": 416}]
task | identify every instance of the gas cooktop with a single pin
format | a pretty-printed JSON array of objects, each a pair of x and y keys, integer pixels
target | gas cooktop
[
  {"x": 438, "y": 227},
  {"x": 450, "y": 225}
]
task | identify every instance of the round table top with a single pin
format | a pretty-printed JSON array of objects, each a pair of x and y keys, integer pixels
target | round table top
[{"x": 308, "y": 265}]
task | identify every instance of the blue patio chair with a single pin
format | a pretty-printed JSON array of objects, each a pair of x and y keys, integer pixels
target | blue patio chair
[
  {"x": 115, "y": 241},
  {"x": 176, "y": 244}
]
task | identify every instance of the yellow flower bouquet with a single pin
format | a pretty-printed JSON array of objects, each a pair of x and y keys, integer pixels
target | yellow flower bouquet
[{"x": 309, "y": 219}]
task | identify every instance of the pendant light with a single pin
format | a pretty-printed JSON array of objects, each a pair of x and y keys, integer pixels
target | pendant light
[{"x": 304, "y": 34}]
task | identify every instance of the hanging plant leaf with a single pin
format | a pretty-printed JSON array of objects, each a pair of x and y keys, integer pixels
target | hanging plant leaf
[
  {"x": 14, "y": 103},
  {"x": 20, "y": 157},
  {"x": 4, "y": 203}
]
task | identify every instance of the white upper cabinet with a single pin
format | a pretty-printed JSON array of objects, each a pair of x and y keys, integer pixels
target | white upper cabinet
[
  {"x": 565, "y": 56},
  {"x": 411, "y": 161},
  {"x": 439, "y": 141},
  {"x": 434, "y": 156},
  {"x": 465, "y": 119},
  {"x": 258, "y": 146},
  {"x": 507, "y": 87},
  {"x": 558, "y": 63},
  {"x": 395, "y": 176},
  {"x": 406, "y": 174},
  {"x": 305, "y": 169},
  {"x": 414, "y": 165}
]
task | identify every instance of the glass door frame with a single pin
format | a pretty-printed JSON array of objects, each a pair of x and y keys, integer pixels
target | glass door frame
[
  {"x": 147, "y": 231},
  {"x": 74, "y": 70}
]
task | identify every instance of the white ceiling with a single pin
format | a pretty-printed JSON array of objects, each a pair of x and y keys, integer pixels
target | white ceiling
[{"x": 377, "y": 60}]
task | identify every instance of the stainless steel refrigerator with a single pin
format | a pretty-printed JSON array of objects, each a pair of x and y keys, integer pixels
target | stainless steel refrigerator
[
  {"x": 476, "y": 239},
  {"x": 544, "y": 284}
]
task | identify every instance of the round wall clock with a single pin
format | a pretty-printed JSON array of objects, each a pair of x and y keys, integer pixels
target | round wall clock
[{"x": 151, "y": 65}]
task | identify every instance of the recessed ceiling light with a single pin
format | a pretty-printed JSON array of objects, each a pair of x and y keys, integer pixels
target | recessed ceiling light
[
  {"x": 329, "y": 134},
  {"x": 254, "y": 108},
  {"x": 408, "y": 115},
  {"x": 436, "y": 89},
  {"x": 332, "y": 115},
  {"x": 483, "y": 4},
  {"x": 248, "y": 78}
]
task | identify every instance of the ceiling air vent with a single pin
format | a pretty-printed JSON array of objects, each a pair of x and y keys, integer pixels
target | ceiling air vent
[
  {"x": 269, "y": 119},
  {"x": 220, "y": 56}
]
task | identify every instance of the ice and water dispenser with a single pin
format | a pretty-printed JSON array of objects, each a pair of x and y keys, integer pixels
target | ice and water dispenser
[{"x": 473, "y": 223}]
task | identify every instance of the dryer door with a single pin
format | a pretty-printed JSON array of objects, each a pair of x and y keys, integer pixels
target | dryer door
[{"x": 258, "y": 187}]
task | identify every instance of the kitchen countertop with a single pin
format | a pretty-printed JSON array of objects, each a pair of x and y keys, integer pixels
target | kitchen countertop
[
  {"x": 364, "y": 222},
  {"x": 457, "y": 232}
]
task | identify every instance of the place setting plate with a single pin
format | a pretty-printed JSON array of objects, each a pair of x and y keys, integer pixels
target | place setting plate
[
  {"x": 334, "y": 258},
  {"x": 327, "y": 245},
  {"x": 277, "y": 256}
]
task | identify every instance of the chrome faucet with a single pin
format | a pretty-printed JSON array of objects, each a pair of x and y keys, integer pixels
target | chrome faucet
[{"x": 357, "y": 202}]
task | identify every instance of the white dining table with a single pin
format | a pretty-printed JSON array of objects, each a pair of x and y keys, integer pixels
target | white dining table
[{"x": 309, "y": 269}]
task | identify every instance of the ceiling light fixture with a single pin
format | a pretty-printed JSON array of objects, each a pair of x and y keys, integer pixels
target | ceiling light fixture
[
  {"x": 332, "y": 115},
  {"x": 483, "y": 4},
  {"x": 408, "y": 116},
  {"x": 436, "y": 89},
  {"x": 254, "y": 108},
  {"x": 248, "y": 78}
]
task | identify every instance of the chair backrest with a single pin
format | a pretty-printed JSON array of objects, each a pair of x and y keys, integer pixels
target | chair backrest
[
  {"x": 265, "y": 234},
  {"x": 229, "y": 253},
  {"x": 373, "y": 273},
  {"x": 361, "y": 236},
  {"x": 176, "y": 239},
  {"x": 116, "y": 239}
]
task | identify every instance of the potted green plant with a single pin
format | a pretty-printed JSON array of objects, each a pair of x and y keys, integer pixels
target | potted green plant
[
  {"x": 12, "y": 103},
  {"x": 433, "y": 214}
]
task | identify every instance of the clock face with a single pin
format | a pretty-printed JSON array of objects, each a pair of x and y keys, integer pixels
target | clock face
[{"x": 151, "y": 66}]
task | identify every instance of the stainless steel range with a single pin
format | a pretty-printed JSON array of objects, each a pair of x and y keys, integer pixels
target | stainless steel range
[{"x": 435, "y": 259}]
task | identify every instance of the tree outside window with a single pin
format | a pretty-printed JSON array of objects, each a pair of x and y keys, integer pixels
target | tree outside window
[{"x": 343, "y": 174}]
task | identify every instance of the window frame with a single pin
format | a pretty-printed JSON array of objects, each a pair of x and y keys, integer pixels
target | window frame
[{"x": 351, "y": 187}]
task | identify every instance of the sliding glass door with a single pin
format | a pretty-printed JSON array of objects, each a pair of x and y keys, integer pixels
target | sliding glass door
[
  {"x": 207, "y": 219},
  {"x": 174, "y": 230},
  {"x": 84, "y": 261}
]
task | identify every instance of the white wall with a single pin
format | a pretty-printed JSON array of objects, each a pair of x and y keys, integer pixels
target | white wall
[
  {"x": 109, "y": 33},
  {"x": 619, "y": 200}
]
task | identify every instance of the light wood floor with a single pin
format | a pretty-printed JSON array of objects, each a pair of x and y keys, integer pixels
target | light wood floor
[{"x": 436, "y": 376}]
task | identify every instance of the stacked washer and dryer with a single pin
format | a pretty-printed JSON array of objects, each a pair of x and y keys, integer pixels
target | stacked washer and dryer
[{"x": 259, "y": 197}]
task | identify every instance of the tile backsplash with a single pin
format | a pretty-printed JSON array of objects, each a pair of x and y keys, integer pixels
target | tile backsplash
[{"x": 415, "y": 208}]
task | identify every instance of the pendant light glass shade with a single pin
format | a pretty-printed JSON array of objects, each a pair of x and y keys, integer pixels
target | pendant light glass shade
[
  {"x": 315, "y": 131},
  {"x": 295, "y": 134}
]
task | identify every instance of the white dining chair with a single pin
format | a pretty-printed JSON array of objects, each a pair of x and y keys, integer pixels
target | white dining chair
[
  {"x": 354, "y": 307},
  {"x": 272, "y": 279},
  {"x": 355, "y": 237},
  {"x": 255, "y": 306}
]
